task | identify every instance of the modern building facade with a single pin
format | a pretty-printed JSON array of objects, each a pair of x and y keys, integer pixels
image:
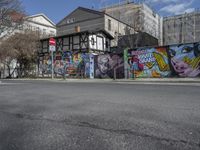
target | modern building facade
[
  {"x": 139, "y": 16},
  {"x": 184, "y": 28}
]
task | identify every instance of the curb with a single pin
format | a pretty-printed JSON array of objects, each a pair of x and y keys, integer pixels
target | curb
[
  {"x": 139, "y": 80},
  {"x": 162, "y": 80}
]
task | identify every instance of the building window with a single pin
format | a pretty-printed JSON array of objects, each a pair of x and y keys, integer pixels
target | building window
[
  {"x": 20, "y": 27},
  {"x": 109, "y": 24},
  {"x": 44, "y": 31},
  {"x": 92, "y": 41},
  {"x": 52, "y": 32},
  {"x": 107, "y": 44},
  {"x": 70, "y": 20}
]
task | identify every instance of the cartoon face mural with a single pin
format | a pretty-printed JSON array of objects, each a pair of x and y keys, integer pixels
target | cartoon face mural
[
  {"x": 149, "y": 62},
  {"x": 185, "y": 60},
  {"x": 67, "y": 63},
  {"x": 105, "y": 65}
]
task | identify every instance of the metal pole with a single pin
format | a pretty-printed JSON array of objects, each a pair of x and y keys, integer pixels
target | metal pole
[
  {"x": 52, "y": 71},
  {"x": 114, "y": 74},
  {"x": 194, "y": 30}
]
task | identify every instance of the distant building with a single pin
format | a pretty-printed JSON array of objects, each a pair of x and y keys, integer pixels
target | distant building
[
  {"x": 39, "y": 23},
  {"x": 139, "y": 16},
  {"x": 183, "y": 28},
  {"x": 88, "y": 20}
]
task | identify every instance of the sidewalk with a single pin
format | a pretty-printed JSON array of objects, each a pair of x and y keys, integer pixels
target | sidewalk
[
  {"x": 173, "y": 80},
  {"x": 137, "y": 80}
]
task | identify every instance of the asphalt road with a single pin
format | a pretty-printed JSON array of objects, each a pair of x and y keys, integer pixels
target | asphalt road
[{"x": 44, "y": 115}]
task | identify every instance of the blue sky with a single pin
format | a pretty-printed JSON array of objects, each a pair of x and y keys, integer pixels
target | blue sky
[{"x": 58, "y": 9}]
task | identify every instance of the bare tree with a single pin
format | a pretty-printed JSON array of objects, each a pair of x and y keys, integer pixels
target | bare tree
[
  {"x": 7, "y": 55},
  {"x": 11, "y": 16},
  {"x": 21, "y": 47}
]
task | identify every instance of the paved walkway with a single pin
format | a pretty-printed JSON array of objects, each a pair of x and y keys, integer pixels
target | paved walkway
[{"x": 172, "y": 80}]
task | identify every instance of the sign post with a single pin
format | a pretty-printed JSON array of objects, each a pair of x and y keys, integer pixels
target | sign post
[{"x": 52, "y": 48}]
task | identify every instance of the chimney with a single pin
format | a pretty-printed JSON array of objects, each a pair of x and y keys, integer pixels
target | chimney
[{"x": 77, "y": 29}]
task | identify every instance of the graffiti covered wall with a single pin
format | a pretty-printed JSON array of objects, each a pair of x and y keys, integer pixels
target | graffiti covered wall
[
  {"x": 87, "y": 65},
  {"x": 185, "y": 60},
  {"x": 181, "y": 60},
  {"x": 104, "y": 66},
  {"x": 149, "y": 62},
  {"x": 66, "y": 63}
]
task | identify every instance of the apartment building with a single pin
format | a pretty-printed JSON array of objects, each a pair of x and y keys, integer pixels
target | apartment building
[
  {"x": 184, "y": 28},
  {"x": 141, "y": 17}
]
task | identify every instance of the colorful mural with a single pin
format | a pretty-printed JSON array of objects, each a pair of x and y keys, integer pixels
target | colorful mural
[
  {"x": 181, "y": 60},
  {"x": 104, "y": 66},
  {"x": 91, "y": 66},
  {"x": 148, "y": 62},
  {"x": 67, "y": 63},
  {"x": 185, "y": 60}
]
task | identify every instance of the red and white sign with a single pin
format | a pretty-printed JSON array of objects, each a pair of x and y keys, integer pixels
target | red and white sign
[{"x": 52, "y": 41}]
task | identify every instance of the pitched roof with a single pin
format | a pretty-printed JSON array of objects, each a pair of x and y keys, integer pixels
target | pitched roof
[
  {"x": 102, "y": 13},
  {"x": 84, "y": 9},
  {"x": 91, "y": 10},
  {"x": 43, "y": 15}
]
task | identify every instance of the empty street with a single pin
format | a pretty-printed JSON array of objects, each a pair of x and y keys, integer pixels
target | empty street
[{"x": 46, "y": 115}]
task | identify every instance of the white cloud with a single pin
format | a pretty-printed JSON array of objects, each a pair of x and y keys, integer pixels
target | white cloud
[
  {"x": 163, "y": 1},
  {"x": 177, "y": 8},
  {"x": 189, "y": 10}
]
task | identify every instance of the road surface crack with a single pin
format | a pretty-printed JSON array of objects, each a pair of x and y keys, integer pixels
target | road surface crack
[{"x": 96, "y": 127}]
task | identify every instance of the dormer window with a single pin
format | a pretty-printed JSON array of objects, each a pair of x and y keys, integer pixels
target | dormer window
[{"x": 70, "y": 20}]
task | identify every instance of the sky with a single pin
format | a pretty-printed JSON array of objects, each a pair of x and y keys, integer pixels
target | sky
[{"x": 56, "y": 10}]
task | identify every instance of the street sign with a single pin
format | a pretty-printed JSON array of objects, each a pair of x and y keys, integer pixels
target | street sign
[
  {"x": 52, "y": 48},
  {"x": 52, "y": 41}
]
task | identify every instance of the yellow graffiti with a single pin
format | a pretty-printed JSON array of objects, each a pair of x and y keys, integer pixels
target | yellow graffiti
[
  {"x": 195, "y": 62},
  {"x": 163, "y": 66},
  {"x": 150, "y": 64},
  {"x": 187, "y": 60},
  {"x": 155, "y": 74}
]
